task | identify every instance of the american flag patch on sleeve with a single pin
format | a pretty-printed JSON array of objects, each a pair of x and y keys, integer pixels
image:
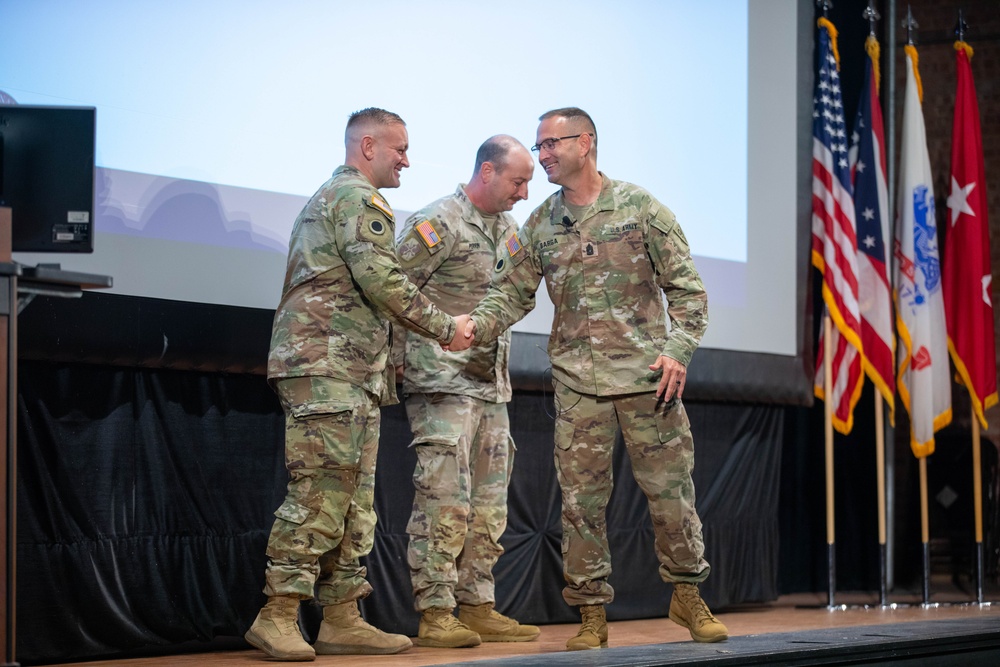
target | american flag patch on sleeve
[
  {"x": 428, "y": 233},
  {"x": 513, "y": 245},
  {"x": 382, "y": 205}
]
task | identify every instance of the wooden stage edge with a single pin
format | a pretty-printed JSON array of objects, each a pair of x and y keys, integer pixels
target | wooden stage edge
[{"x": 757, "y": 636}]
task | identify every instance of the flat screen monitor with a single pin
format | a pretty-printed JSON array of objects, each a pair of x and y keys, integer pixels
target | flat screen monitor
[{"x": 47, "y": 176}]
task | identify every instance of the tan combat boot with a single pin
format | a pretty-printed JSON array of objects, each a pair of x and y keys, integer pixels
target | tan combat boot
[
  {"x": 276, "y": 632},
  {"x": 689, "y": 610},
  {"x": 344, "y": 632},
  {"x": 440, "y": 629},
  {"x": 593, "y": 629},
  {"x": 493, "y": 626}
]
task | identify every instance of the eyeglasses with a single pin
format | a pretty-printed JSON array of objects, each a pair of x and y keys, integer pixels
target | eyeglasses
[{"x": 549, "y": 144}]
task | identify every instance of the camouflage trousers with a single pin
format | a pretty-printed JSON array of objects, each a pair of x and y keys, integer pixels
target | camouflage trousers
[
  {"x": 327, "y": 521},
  {"x": 657, "y": 437},
  {"x": 464, "y": 458}
]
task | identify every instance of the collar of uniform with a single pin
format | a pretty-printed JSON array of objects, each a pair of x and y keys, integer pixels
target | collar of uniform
[
  {"x": 347, "y": 169},
  {"x": 469, "y": 211},
  {"x": 605, "y": 202}
]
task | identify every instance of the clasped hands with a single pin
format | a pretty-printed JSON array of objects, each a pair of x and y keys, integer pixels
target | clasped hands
[{"x": 465, "y": 334}]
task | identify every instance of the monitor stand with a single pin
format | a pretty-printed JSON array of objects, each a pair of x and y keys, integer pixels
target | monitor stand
[{"x": 18, "y": 286}]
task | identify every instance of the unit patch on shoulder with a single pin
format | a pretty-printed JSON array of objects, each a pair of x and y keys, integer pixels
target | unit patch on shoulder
[
  {"x": 382, "y": 205},
  {"x": 376, "y": 226},
  {"x": 513, "y": 245},
  {"x": 428, "y": 233}
]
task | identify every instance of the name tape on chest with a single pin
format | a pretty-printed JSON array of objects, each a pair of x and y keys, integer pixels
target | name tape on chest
[{"x": 428, "y": 233}]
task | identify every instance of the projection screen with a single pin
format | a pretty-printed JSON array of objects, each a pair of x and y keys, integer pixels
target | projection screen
[{"x": 217, "y": 120}]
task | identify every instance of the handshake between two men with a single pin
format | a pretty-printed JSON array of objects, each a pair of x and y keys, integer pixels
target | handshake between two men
[{"x": 465, "y": 334}]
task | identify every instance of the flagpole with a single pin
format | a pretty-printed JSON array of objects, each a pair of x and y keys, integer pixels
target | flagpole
[
  {"x": 880, "y": 485},
  {"x": 867, "y": 162},
  {"x": 890, "y": 145},
  {"x": 924, "y": 531},
  {"x": 828, "y": 435},
  {"x": 974, "y": 360},
  {"x": 977, "y": 493}
]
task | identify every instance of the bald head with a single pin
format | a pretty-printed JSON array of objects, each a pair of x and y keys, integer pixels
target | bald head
[
  {"x": 496, "y": 150},
  {"x": 500, "y": 179}
]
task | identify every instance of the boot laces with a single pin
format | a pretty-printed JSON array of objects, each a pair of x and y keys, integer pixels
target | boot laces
[
  {"x": 591, "y": 621},
  {"x": 496, "y": 616},
  {"x": 692, "y": 600},
  {"x": 449, "y": 622},
  {"x": 354, "y": 618},
  {"x": 286, "y": 624}
]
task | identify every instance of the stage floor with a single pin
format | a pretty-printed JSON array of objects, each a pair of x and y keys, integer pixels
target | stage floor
[{"x": 755, "y": 630}]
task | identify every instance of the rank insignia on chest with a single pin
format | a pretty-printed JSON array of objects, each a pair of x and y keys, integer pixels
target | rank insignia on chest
[
  {"x": 382, "y": 205},
  {"x": 513, "y": 245},
  {"x": 428, "y": 233}
]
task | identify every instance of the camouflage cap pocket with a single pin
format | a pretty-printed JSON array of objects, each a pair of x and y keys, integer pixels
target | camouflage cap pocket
[
  {"x": 672, "y": 423},
  {"x": 321, "y": 408},
  {"x": 292, "y": 512},
  {"x": 440, "y": 439}
]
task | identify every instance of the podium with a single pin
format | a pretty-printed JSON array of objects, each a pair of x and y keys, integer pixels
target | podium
[{"x": 18, "y": 286}]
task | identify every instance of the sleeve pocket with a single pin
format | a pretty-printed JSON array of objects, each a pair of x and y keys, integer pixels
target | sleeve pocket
[{"x": 292, "y": 513}]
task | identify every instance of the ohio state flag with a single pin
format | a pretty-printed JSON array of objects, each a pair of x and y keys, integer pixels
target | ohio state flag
[
  {"x": 922, "y": 356},
  {"x": 871, "y": 212},
  {"x": 968, "y": 302}
]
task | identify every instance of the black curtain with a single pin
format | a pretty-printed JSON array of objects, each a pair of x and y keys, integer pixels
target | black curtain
[{"x": 145, "y": 497}]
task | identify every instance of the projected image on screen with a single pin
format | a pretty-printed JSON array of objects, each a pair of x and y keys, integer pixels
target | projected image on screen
[{"x": 217, "y": 120}]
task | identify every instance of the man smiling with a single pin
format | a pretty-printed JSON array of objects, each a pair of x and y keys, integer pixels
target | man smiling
[
  {"x": 329, "y": 363},
  {"x": 607, "y": 249}
]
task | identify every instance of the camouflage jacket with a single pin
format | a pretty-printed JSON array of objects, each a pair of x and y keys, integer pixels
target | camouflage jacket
[
  {"x": 342, "y": 287},
  {"x": 452, "y": 255},
  {"x": 604, "y": 274}
]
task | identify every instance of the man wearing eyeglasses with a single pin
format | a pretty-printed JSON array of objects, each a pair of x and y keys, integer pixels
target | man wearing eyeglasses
[
  {"x": 606, "y": 249},
  {"x": 456, "y": 405}
]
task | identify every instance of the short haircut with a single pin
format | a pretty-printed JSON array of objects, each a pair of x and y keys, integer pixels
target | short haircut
[
  {"x": 574, "y": 114},
  {"x": 495, "y": 150},
  {"x": 372, "y": 116}
]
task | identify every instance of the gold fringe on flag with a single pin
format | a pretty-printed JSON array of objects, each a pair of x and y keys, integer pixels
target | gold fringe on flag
[
  {"x": 823, "y": 22},
  {"x": 872, "y": 47},
  {"x": 912, "y": 52},
  {"x": 962, "y": 46}
]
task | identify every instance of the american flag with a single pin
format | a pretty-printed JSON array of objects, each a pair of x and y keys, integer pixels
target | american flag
[
  {"x": 871, "y": 209},
  {"x": 834, "y": 240}
]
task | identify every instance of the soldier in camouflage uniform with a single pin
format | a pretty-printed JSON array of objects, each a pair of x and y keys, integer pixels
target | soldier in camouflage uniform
[
  {"x": 329, "y": 366},
  {"x": 456, "y": 404},
  {"x": 606, "y": 248}
]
